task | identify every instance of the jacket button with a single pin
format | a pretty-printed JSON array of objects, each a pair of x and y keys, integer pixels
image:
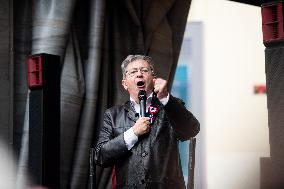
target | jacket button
[{"x": 144, "y": 154}]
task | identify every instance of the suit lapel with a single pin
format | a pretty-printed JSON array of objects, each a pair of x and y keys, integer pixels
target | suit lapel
[{"x": 131, "y": 114}]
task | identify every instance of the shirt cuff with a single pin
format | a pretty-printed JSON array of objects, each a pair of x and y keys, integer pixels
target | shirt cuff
[
  {"x": 165, "y": 100},
  {"x": 130, "y": 138}
]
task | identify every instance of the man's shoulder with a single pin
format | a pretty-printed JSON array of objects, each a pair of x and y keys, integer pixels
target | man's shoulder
[
  {"x": 117, "y": 108},
  {"x": 114, "y": 108},
  {"x": 173, "y": 98}
]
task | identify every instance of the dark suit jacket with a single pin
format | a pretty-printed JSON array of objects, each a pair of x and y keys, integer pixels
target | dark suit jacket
[{"x": 154, "y": 160}]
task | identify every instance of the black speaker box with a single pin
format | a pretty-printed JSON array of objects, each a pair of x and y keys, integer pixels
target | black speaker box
[
  {"x": 44, "y": 119},
  {"x": 274, "y": 68}
]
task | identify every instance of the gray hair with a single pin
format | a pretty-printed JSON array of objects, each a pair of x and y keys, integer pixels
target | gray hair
[{"x": 132, "y": 58}]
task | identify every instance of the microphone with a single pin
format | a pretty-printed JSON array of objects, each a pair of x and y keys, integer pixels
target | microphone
[{"x": 142, "y": 99}]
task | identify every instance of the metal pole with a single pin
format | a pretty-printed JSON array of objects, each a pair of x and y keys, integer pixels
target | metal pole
[
  {"x": 191, "y": 163},
  {"x": 92, "y": 170}
]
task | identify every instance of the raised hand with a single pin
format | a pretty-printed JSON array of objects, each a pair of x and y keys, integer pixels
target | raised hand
[{"x": 160, "y": 87}]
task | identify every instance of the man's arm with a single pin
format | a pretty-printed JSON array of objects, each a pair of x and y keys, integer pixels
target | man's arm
[
  {"x": 109, "y": 148},
  {"x": 183, "y": 121}
]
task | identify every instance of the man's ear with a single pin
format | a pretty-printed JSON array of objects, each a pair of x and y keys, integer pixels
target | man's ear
[{"x": 124, "y": 84}]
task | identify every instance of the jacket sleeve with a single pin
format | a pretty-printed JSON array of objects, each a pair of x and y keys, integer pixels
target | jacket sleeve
[
  {"x": 109, "y": 148},
  {"x": 183, "y": 121}
]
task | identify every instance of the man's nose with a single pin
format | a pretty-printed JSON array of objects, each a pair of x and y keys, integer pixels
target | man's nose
[{"x": 139, "y": 73}]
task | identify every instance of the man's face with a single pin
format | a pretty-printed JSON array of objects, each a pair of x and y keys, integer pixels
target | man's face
[{"x": 138, "y": 77}]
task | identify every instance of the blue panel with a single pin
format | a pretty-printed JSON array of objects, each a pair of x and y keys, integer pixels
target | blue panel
[{"x": 180, "y": 90}]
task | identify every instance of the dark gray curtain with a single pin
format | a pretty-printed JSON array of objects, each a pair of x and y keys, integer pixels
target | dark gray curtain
[{"x": 92, "y": 38}]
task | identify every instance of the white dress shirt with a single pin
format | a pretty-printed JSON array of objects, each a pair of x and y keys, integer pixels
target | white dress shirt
[{"x": 129, "y": 136}]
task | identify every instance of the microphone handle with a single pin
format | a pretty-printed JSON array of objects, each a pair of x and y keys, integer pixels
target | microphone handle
[{"x": 143, "y": 108}]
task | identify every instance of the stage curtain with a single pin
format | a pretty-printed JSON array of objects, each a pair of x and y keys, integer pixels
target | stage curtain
[{"x": 92, "y": 37}]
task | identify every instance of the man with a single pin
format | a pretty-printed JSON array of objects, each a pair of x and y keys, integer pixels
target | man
[{"x": 144, "y": 150}]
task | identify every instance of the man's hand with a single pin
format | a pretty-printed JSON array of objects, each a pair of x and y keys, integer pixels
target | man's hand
[
  {"x": 160, "y": 88},
  {"x": 141, "y": 126}
]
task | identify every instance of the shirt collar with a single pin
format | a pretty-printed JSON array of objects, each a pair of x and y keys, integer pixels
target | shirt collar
[
  {"x": 136, "y": 106},
  {"x": 147, "y": 101}
]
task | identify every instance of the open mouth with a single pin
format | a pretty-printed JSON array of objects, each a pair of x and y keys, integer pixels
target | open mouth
[{"x": 140, "y": 83}]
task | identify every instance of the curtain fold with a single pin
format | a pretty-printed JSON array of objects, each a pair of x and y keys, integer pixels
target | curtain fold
[
  {"x": 92, "y": 38},
  {"x": 88, "y": 115},
  {"x": 22, "y": 48},
  {"x": 177, "y": 17},
  {"x": 72, "y": 96},
  {"x": 50, "y": 26}
]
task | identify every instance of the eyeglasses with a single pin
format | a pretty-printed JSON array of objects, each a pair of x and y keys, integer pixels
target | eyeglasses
[{"x": 134, "y": 71}]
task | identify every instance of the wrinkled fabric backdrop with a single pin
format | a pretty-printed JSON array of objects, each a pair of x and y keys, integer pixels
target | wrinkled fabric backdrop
[{"x": 92, "y": 37}]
